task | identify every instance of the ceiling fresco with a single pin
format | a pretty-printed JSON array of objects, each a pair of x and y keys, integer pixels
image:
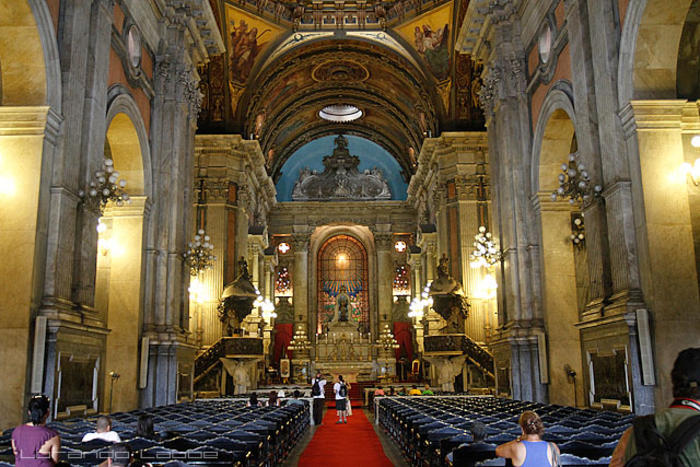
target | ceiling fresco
[{"x": 394, "y": 61}]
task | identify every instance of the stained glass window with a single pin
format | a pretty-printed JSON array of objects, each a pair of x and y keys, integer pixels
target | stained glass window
[{"x": 342, "y": 262}]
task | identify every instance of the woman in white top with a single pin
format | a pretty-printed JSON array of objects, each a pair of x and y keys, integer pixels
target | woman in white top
[{"x": 341, "y": 390}]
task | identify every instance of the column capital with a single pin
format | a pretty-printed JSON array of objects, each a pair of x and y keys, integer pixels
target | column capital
[
  {"x": 300, "y": 241},
  {"x": 383, "y": 240}
]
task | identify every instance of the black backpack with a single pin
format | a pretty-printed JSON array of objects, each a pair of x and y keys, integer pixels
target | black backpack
[
  {"x": 653, "y": 450},
  {"x": 343, "y": 391},
  {"x": 316, "y": 389}
]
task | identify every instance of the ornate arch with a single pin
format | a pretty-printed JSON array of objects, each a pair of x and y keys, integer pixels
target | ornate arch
[
  {"x": 121, "y": 102},
  {"x": 642, "y": 18},
  {"x": 558, "y": 99}
]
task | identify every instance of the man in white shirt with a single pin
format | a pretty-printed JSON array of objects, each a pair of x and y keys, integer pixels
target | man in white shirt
[
  {"x": 103, "y": 432},
  {"x": 318, "y": 392},
  {"x": 341, "y": 394}
]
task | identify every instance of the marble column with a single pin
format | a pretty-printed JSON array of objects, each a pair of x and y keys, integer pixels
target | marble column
[
  {"x": 668, "y": 231},
  {"x": 300, "y": 282},
  {"x": 504, "y": 99},
  {"x": 384, "y": 242}
]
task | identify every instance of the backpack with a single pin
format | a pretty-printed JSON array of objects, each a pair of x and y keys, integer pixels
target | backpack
[
  {"x": 653, "y": 450},
  {"x": 316, "y": 389},
  {"x": 343, "y": 391}
]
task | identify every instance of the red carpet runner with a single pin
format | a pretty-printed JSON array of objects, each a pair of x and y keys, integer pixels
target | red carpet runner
[{"x": 352, "y": 444}]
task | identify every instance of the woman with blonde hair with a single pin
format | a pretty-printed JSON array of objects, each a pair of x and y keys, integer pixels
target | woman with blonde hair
[{"x": 529, "y": 449}]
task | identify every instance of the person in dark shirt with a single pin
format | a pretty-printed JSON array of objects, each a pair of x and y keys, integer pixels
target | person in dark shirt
[{"x": 469, "y": 454}]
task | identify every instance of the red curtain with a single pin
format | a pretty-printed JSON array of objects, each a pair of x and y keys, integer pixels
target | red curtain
[
  {"x": 402, "y": 334},
  {"x": 283, "y": 335}
]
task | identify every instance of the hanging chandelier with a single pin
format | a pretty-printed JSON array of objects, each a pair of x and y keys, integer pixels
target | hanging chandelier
[
  {"x": 386, "y": 339},
  {"x": 105, "y": 187},
  {"x": 485, "y": 253},
  {"x": 300, "y": 341},
  {"x": 574, "y": 183},
  {"x": 199, "y": 255}
]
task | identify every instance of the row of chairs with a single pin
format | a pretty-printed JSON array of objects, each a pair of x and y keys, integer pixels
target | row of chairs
[
  {"x": 427, "y": 429},
  {"x": 216, "y": 432}
]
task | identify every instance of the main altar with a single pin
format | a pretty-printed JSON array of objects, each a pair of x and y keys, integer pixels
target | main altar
[{"x": 344, "y": 349}]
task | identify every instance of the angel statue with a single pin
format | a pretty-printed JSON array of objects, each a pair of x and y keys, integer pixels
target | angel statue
[{"x": 447, "y": 369}]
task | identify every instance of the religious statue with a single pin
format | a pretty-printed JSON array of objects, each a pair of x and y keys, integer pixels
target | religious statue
[
  {"x": 342, "y": 305},
  {"x": 446, "y": 369}
]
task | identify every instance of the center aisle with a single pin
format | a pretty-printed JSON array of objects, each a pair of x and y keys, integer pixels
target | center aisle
[{"x": 348, "y": 444}]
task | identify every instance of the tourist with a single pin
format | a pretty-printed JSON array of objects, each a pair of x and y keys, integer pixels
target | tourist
[
  {"x": 469, "y": 454},
  {"x": 118, "y": 455},
  {"x": 379, "y": 392},
  {"x": 685, "y": 378},
  {"x": 401, "y": 391},
  {"x": 103, "y": 431},
  {"x": 253, "y": 401},
  {"x": 33, "y": 444},
  {"x": 427, "y": 391},
  {"x": 391, "y": 391},
  {"x": 318, "y": 390},
  {"x": 272, "y": 400},
  {"x": 341, "y": 394},
  {"x": 528, "y": 449},
  {"x": 144, "y": 428},
  {"x": 295, "y": 400},
  {"x": 414, "y": 391}
]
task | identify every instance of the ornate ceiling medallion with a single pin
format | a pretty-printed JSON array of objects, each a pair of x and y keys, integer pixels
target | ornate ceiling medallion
[
  {"x": 340, "y": 113},
  {"x": 340, "y": 70}
]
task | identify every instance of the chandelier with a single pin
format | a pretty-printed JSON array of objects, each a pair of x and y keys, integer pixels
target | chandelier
[
  {"x": 386, "y": 339},
  {"x": 574, "y": 183},
  {"x": 300, "y": 341},
  {"x": 105, "y": 187},
  {"x": 199, "y": 255},
  {"x": 485, "y": 253}
]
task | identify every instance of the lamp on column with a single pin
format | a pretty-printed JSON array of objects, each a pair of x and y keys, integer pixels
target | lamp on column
[
  {"x": 485, "y": 252},
  {"x": 574, "y": 183},
  {"x": 105, "y": 187},
  {"x": 418, "y": 305},
  {"x": 692, "y": 171}
]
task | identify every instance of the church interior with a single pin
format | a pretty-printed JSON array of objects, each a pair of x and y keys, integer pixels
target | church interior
[{"x": 204, "y": 199}]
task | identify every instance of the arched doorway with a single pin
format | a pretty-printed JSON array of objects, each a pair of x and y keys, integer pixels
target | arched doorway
[
  {"x": 564, "y": 266},
  {"x": 30, "y": 96},
  {"x": 342, "y": 263},
  {"x": 118, "y": 287}
]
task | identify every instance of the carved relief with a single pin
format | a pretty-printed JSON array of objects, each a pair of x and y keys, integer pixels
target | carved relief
[
  {"x": 340, "y": 70},
  {"x": 340, "y": 179}
]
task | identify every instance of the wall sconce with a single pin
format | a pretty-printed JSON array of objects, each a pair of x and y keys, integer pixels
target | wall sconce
[{"x": 692, "y": 171}]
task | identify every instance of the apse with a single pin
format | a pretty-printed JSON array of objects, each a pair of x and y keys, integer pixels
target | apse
[{"x": 311, "y": 156}]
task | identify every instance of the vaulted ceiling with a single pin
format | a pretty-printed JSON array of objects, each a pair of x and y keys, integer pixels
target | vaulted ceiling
[{"x": 287, "y": 61}]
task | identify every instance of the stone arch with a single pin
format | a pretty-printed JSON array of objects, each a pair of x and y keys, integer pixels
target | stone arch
[
  {"x": 319, "y": 237},
  {"x": 120, "y": 258},
  {"x": 555, "y": 129},
  {"x": 30, "y": 72},
  {"x": 559, "y": 263},
  {"x": 647, "y": 68},
  {"x": 126, "y": 128}
]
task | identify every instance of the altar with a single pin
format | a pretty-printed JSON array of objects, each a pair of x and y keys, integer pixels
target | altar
[{"x": 343, "y": 350}]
